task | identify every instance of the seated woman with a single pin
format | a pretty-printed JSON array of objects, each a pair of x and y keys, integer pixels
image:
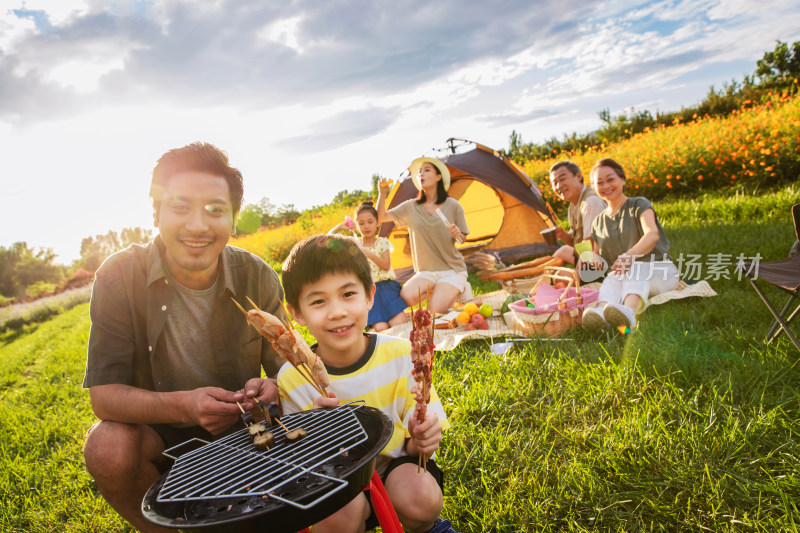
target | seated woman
[
  {"x": 435, "y": 222},
  {"x": 629, "y": 238}
]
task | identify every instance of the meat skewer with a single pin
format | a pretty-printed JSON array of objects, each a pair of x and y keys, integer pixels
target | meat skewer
[
  {"x": 422, "y": 349},
  {"x": 290, "y": 345},
  {"x": 259, "y": 435}
]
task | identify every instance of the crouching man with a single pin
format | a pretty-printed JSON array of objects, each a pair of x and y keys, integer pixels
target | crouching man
[{"x": 169, "y": 353}]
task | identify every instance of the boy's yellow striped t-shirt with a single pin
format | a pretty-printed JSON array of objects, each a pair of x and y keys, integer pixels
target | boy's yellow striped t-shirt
[{"x": 382, "y": 378}]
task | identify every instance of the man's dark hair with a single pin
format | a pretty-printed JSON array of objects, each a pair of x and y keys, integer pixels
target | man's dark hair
[
  {"x": 572, "y": 167},
  {"x": 318, "y": 255},
  {"x": 196, "y": 157}
]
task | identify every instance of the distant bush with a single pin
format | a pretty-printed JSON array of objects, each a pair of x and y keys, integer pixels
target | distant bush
[
  {"x": 14, "y": 317},
  {"x": 274, "y": 245},
  {"x": 755, "y": 147},
  {"x": 40, "y": 289}
]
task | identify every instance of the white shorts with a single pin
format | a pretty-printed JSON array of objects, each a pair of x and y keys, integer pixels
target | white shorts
[
  {"x": 451, "y": 277},
  {"x": 645, "y": 279}
]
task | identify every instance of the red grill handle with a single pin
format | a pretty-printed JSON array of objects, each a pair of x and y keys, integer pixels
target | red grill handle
[{"x": 383, "y": 508}]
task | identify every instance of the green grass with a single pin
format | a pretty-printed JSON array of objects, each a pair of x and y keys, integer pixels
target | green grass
[{"x": 690, "y": 424}]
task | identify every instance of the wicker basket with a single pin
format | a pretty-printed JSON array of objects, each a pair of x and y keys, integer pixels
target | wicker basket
[{"x": 556, "y": 310}]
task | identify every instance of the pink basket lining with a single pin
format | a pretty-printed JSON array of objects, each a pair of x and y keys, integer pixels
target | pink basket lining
[{"x": 546, "y": 300}]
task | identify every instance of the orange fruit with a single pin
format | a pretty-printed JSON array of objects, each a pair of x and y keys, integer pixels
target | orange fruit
[
  {"x": 463, "y": 317},
  {"x": 471, "y": 309}
]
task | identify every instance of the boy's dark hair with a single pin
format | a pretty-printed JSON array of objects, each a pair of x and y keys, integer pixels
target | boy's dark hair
[
  {"x": 318, "y": 255},
  {"x": 196, "y": 157}
]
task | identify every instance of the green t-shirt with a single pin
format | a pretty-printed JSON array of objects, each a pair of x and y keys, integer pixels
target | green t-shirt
[{"x": 616, "y": 234}]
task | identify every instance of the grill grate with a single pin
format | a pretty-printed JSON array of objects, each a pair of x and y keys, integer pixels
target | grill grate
[{"x": 232, "y": 466}]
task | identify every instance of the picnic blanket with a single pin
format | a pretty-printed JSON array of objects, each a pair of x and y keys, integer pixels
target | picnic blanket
[{"x": 447, "y": 339}]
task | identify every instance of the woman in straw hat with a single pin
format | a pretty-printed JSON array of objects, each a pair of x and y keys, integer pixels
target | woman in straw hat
[{"x": 435, "y": 223}]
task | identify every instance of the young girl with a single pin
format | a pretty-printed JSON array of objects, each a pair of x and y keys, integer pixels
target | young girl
[{"x": 389, "y": 308}]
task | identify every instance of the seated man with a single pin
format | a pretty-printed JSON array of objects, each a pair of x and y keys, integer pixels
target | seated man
[
  {"x": 170, "y": 355},
  {"x": 584, "y": 206}
]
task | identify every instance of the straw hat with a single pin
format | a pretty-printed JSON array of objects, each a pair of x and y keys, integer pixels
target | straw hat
[{"x": 443, "y": 170}]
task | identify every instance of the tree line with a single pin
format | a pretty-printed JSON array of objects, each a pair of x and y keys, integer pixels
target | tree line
[{"x": 776, "y": 71}]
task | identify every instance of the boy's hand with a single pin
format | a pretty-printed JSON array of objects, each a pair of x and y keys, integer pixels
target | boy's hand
[
  {"x": 384, "y": 185},
  {"x": 425, "y": 436},
  {"x": 330, "y": 401}
]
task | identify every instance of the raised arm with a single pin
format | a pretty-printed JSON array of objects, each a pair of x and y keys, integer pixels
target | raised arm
[
  {"x": 384, "y": 260},
  {"x": 383, "y": 191},
  {"x": 338, "y": 227}
]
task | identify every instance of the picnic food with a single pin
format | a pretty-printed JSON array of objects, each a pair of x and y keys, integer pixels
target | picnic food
[
  {"x": 290, "y": 345},
  {"x": 478, "y": 321},
  {"x": 422, "y": 348},
  {"x": 471, "y": 308},
  {"x": 486, "y": 310},
  {"x": 262, "y": 438},
  {"x": 296, "y": 434},
  {"x": 509, "y": 300},
  {"x": 529, "y": 268}
]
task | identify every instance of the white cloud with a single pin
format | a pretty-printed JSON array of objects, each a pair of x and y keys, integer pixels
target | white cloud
[
  {"x": 327, "y": 93},
  {"x": 284, "y": 31}
]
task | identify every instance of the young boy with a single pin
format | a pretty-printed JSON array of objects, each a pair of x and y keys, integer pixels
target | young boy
[{"x": 329, "y": 289}]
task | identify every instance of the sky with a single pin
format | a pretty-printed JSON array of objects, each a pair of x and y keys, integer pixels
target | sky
[{"x": 309, "y": 98}]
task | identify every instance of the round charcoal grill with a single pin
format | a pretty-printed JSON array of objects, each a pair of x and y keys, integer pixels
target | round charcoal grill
[{"x": 230, "y": 485}]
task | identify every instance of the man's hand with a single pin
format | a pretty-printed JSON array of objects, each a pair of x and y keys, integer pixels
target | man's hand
[
  {"x": 330, "y": 401},
  {"x": 563, "y": 235},
  {"x": 425, "y": 436},
  {"x": 212, "y": 408},
  {"x": 263, "y": 389}
]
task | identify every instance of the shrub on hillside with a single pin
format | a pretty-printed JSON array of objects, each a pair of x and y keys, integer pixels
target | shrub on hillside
[
  {"x": 758, "y": 146},
  {"x": 14, "y": 317},
  {"x": 274, "y": 245},
  {"x": 40, "y": 289}
]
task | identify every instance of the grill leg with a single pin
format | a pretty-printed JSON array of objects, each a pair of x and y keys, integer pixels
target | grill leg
[{"x": 775, "y": 313}]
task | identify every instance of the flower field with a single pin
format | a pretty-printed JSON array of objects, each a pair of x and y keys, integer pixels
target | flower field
[
  {"x": 273, "y": 245},
  {"x": 756, "y": 147}
]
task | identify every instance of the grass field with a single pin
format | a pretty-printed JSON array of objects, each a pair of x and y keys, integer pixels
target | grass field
[{"x": 690, "y": 424}]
